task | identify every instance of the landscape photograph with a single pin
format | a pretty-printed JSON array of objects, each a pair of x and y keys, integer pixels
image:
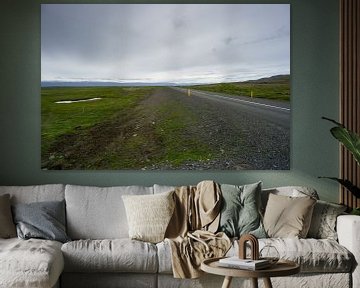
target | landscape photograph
[{"x": 165, "y": 87}]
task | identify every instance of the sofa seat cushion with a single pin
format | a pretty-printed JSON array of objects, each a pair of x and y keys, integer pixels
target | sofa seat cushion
[
  {"x": 164, "y": 257},
  {"x": 313, "y": 255},
  {"x": 110, "y": 255},
  {"x": 30, "y": 263}
]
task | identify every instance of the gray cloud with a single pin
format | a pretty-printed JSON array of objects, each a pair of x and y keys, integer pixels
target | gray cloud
[{"x": 164, "y": 42}]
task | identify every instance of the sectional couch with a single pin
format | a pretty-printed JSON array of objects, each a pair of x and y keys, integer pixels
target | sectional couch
[{"x": 100, "y": 253}]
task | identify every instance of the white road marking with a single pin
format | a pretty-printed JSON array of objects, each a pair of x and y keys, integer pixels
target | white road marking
[{"x": 244, "y": 101}]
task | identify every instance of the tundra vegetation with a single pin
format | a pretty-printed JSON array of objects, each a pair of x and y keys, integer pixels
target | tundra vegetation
[
  {"x": 275, "y": 88},
  {"x": 136, "y": 127}
]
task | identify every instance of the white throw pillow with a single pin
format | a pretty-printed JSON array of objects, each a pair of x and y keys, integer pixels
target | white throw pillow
[{"x": 149, "y": 215}]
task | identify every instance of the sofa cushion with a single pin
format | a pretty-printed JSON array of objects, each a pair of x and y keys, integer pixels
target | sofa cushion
[
  {"x": 7, "y": 226},
  {"x": 291, "y": 191},
  {"x": 36, "y": 193},
  {"x": 323, "y": 222},
  {"x": 163, "y": 188},
  {"x": 287, "y": 216},
  {"x": 240, "y": 210},
  {"x": 116, "y": 255},
  {"x": 43, "y": 220},
  {"x": 313, "y": 255},
  {"x": 164, "y": 257},
  {"x": 30, "y": 263},
  {"x": 109, "y": 280},
  {"x": 149, "y": 215},
  {"x": 98, "y": 213}
]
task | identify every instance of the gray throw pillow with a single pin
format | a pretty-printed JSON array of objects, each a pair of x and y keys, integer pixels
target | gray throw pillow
[
  {"x": 323, "y": 222},
  {"x": 7, "y": 226},
  {"x": 240, "y": 213},
  {"x": 44, "y": 220}
]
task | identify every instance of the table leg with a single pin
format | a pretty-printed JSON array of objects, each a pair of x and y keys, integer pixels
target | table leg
[
  {"x": 227, "y": 282},
  {"x": 267, "y": 283},
  {"x": 254, "y": 282}
]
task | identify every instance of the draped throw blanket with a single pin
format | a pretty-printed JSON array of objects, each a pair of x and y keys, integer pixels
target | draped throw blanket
[{"x": 191, "y": 231}]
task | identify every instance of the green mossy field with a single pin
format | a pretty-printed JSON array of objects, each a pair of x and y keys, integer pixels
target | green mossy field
[
  {"x": 274, "y": 89},
  {"x": 122, "y": 130},
  {"x": 59, "y": 119}
]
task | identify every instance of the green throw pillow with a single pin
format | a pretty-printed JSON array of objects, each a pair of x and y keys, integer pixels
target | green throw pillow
[{"x": 240, "y": 213}]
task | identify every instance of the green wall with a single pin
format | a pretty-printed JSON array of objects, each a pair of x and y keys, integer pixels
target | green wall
[{"x": 314, "y": 92}]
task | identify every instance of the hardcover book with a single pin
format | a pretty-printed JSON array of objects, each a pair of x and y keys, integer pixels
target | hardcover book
[{"x": 249, "y": 264}]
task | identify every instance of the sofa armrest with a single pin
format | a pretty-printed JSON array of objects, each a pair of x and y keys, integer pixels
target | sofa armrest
[{"x": 348, "y": 230}]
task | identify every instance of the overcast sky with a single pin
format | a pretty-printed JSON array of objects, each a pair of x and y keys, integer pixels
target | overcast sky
[{"x": 179, "y": 43}]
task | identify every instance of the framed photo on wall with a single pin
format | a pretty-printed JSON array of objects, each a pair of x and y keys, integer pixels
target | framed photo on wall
[{"x": 165, "y": 86}]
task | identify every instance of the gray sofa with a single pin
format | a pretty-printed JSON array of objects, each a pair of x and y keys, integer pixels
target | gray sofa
[{"x": 102, "y": 255}]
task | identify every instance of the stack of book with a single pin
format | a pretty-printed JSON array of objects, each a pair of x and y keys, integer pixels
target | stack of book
[{"x": 248, "y": 264}]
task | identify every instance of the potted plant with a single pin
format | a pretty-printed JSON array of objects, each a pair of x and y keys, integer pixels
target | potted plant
[{"x": 351, "y": 141}]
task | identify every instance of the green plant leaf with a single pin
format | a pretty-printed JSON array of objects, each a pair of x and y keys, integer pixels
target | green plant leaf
[
  {"x": 349, "y": 139},
  {"x": 355, "y": 211},
  {"x": 347, "y": 184}
]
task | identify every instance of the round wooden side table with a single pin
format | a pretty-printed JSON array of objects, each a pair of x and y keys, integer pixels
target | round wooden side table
[{"x": 281, "y": 268}]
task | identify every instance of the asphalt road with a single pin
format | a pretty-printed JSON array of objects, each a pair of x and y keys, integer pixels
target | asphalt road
[
  {"x": 276, "y": 112},
  {"x": 247, "y": 133}
]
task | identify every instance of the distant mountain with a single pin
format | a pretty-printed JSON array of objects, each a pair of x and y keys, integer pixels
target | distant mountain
[
  {"x": 273, "y": 79},
  {"x": 99, "y": 84}
]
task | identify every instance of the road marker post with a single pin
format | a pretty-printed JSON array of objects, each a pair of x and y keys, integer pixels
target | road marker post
[{"x": 189, "y": 92}]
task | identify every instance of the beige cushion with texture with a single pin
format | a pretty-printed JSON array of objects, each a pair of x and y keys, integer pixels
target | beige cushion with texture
[{"x": 149, "y": 215}]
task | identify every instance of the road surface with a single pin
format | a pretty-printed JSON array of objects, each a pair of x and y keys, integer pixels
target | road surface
[
  {"x": 247, "y": 133},
  {"x": 277, "y": 112}
]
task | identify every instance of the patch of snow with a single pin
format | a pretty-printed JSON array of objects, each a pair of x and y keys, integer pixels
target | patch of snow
[{"x": 76, "y": 101}]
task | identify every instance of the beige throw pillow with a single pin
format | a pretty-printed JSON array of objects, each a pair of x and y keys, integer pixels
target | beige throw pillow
[
  {"x": 149, "y": 215},
  {"x": 7, "y": 226},
  {"x": 288, "y": 217}
]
